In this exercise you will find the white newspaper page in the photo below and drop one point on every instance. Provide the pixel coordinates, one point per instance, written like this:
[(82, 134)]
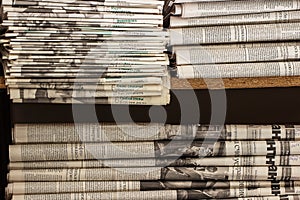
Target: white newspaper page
[(256, 18), (234, 173), (234, 34), (146, 195), (201, 55), (266, 69), (93, 132), (202, 9), (118, 186), (291, 160), (157, 149)]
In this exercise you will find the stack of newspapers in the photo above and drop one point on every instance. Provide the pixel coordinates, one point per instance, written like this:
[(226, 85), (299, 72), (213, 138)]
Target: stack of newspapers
[(216, 39), (154, 162), (76, 51)]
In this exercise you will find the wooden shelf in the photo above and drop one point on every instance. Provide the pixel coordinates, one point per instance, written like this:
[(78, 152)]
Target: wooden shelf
[(2, 83), (235, 83)]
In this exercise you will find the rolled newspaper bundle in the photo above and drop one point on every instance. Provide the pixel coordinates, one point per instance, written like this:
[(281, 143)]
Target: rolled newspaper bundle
[(119, 186), (263, 69), (255, 18), (149, 195), (292, 160), (154, 149), (234, 34), (71, 40), (213, 8), (94, 132), (202, 55), (155, 173)]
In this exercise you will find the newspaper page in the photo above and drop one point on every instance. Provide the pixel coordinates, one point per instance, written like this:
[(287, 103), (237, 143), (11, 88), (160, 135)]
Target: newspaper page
[(144, 195), (118, 186), (44, 39), (164, 99), (233, 34), (280, 197), (256, 18), (49, 93), (202, 9), (71, 86), (106, 11), (106, 23), (234, 173), (95, 81), (265, 69), (247, 45), (148, 162), (155, 100), (291, 160), (249, 132), (181, 194), (105, 2), (202, 55), (156, 149), (94, 132)]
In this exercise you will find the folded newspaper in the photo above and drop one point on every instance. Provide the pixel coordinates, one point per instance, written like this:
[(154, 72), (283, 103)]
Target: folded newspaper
[(52, 49), (71, 42), (256, 35)]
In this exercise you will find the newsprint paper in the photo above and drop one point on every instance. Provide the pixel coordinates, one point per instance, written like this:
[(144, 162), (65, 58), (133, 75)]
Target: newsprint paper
[(291, 160), (232, 34), (202, 9), (118, 186), (148, 195), (155, 149), (233, 173), (94, 132)]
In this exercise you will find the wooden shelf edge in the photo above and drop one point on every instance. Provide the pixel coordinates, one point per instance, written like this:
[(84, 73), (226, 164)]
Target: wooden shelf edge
[(235, 83), (2, 83)]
